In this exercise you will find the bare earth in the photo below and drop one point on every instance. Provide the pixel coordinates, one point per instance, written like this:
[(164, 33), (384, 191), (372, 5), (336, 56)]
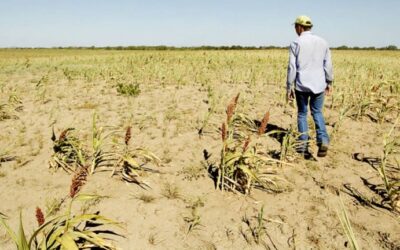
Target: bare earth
[(165, 118)]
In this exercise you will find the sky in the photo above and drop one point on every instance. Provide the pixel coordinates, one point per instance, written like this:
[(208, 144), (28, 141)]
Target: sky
[(53, 23)]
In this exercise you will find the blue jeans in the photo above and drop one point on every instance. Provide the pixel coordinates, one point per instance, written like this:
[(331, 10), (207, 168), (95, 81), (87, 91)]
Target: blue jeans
[(316, 106)]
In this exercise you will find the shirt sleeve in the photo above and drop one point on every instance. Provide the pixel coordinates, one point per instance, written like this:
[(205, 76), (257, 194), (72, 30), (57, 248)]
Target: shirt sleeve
[(328, 68), (292, 69)]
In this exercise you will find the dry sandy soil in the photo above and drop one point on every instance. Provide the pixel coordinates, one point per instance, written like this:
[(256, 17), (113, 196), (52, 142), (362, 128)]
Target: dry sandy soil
[(165, 120)]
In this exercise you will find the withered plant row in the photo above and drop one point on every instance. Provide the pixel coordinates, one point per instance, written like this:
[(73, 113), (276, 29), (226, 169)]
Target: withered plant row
[(118, 158)]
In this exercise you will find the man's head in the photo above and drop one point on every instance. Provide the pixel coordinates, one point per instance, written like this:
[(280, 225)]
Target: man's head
[(303, 23)]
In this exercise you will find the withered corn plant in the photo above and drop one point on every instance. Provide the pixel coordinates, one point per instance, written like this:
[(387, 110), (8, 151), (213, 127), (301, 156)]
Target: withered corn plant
[(289, 142), (103, 155), (193, 221), (346, 225), (71, 155), (384, 106), (243, 124), (100, 157), (343, 111), (289, 145), (241, 166), (129, 163), (378, 101), (68, 152), (391, 145), (257, 229), (212, 101), (68, 231)]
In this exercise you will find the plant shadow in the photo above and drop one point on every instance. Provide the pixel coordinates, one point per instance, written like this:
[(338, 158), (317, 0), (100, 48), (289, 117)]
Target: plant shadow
[(278, 132)]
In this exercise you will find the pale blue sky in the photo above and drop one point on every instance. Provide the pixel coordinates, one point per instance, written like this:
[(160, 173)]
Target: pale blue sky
[(47, 23)]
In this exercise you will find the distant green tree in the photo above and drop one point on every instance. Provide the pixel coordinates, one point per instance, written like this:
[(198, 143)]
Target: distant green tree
[(343, 47), (391, 47)]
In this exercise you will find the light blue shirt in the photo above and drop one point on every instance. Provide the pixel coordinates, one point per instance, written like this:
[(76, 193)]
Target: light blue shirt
[(310, 64)]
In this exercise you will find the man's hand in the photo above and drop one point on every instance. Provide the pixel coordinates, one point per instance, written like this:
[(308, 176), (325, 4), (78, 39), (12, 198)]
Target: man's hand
[(328, 90), (290, 95)]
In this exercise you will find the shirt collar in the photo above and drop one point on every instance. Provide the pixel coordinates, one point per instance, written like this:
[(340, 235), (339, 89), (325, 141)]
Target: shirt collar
[(306, 33)]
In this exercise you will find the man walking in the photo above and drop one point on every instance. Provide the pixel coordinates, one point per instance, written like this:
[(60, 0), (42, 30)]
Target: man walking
[(309, 78)]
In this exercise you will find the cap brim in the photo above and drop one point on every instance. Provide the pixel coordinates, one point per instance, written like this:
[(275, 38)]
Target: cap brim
[(307, 25)]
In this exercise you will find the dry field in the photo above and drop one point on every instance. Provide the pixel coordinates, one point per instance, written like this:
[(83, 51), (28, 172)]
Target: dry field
[(157, 143)]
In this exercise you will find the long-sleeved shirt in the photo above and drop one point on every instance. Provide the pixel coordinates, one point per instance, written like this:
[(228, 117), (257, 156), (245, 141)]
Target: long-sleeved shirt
[(310, 64)]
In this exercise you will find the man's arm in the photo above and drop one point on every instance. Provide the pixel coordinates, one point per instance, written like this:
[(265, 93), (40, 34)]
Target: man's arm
[(328, 67), (292, 69), (291, 72)]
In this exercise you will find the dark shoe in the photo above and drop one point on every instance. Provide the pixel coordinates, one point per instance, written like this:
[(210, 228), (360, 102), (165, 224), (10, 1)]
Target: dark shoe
[(307, 155), (322, 150)]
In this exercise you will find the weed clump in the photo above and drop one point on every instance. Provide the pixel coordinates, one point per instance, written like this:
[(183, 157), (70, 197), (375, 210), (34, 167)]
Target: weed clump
[(131, 89), (171, 191)]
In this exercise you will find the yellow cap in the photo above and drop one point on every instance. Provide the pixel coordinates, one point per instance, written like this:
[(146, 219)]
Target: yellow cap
[(304, 21)]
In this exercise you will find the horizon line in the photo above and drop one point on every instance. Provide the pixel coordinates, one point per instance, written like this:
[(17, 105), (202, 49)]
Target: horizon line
[(205, 47)]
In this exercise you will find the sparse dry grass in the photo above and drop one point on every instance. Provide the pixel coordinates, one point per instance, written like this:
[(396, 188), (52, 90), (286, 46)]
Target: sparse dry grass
[(171, 191), (146, 198), (193, 172)]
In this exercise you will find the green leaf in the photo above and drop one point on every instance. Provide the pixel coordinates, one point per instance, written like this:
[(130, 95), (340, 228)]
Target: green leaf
[(92, 238), (9, 230), (131, 161), (42, 227), (232, 157), (147, 154), (54, 235), (22, 242), (67, 242)]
